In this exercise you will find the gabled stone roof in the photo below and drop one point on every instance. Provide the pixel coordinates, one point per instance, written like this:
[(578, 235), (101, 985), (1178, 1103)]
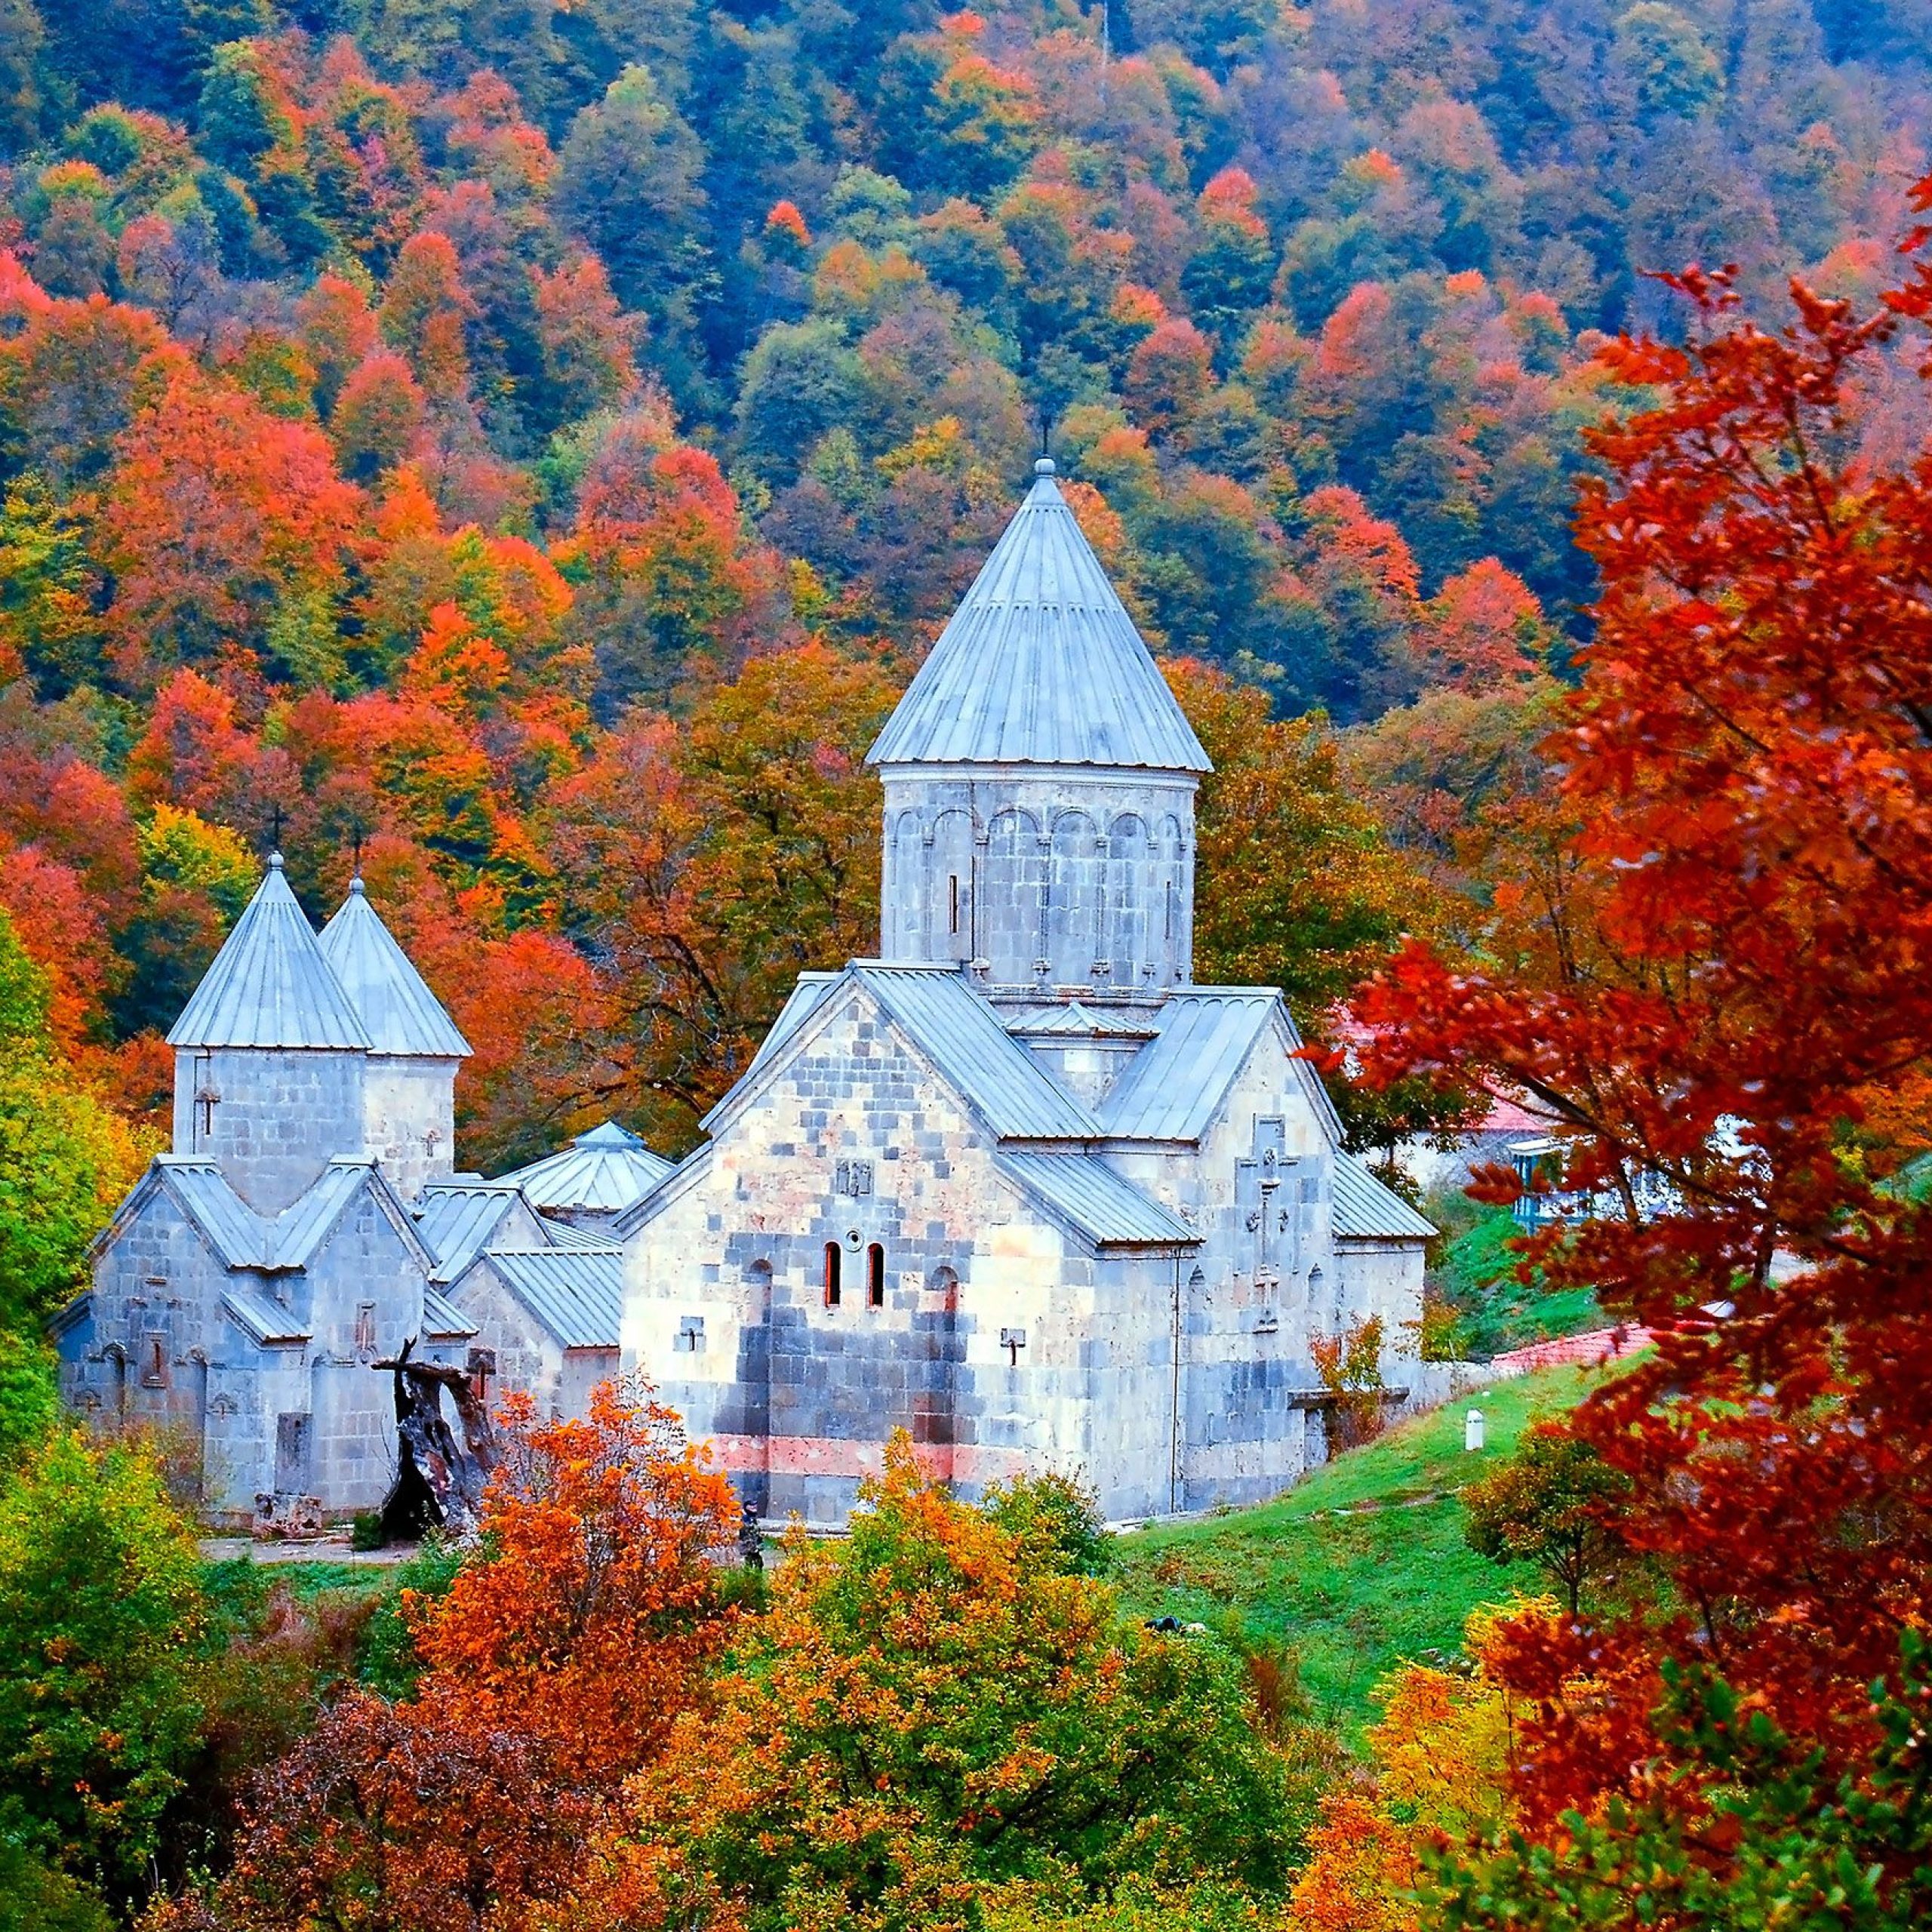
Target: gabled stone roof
[(1041, 664), (957, 1030), (577, 1294), (245, 1241), (458, 1218), (398, 1011), (270, 985), (1104, 1207)]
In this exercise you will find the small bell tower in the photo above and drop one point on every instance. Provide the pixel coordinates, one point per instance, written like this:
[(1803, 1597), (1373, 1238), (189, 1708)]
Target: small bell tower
[(269, 1056)]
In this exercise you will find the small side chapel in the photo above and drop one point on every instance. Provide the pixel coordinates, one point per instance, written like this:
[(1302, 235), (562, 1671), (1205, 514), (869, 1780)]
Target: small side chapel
[(1018, 1186), (307, 1223)]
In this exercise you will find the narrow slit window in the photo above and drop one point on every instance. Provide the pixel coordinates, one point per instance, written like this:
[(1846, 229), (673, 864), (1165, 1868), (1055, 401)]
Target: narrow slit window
[(952, 904), (832, 1259), (875, 1276)]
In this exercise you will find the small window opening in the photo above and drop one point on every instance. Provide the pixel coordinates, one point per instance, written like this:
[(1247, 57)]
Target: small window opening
[(875, 1276), (365, 1328), (952, 905), (832, 1259), (154, 1374), (1171, 909)]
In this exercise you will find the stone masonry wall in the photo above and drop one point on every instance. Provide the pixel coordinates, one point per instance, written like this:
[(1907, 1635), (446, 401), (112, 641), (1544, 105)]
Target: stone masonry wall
[(1069, 878), (365, 1301), (1244, 1299), (409, 1118), (726, 1306), (1384, 1279), (273, 1117), (528, 1360), (159, 1348)]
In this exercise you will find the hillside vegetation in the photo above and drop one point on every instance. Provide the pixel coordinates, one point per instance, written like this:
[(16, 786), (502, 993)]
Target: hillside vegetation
[(524, 450), (1363, 1566)]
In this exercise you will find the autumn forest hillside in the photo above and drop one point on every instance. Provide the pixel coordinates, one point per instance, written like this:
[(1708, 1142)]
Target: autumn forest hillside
[(528, 448)]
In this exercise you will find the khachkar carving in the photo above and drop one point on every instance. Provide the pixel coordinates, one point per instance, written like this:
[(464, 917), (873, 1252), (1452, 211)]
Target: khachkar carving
[(440, 1480)]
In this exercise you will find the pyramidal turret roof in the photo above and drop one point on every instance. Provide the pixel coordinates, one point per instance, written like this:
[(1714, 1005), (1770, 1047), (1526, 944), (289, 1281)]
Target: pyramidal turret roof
[(269, 985), (398, 1011), (1041, 664)]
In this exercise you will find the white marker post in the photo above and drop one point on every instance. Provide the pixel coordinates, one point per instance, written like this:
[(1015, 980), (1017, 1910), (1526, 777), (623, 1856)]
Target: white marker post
[(1472, 1427)]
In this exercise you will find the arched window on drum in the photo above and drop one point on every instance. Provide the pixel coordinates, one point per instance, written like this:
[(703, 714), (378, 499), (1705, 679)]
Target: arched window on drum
[(1130, 867), (1074, 900)]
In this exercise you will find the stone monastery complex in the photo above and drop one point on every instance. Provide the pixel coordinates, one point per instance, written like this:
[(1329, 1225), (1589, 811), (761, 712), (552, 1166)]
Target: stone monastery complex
[(1018, 1186)]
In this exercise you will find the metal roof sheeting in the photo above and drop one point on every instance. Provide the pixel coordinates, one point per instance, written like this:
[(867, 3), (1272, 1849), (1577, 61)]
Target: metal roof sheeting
[(240, 1237), (1109, 1210), (577, 1293), (961, 1034), (1041, 664), (261, 1317), (812, 987), (269, 984), (456, 1220), (398, 1011), (1367, 1211), (562, 1233), (443, 1320), (1175, 1083), (604, 1171), (287, 1244), (304, 1225)]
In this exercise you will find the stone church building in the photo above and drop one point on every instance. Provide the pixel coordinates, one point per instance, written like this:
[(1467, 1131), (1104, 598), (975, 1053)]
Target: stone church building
[(308, 1223), (1018, 1186)]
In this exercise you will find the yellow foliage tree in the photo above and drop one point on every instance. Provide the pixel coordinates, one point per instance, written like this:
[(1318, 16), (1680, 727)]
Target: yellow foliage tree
[(1441, 1755)]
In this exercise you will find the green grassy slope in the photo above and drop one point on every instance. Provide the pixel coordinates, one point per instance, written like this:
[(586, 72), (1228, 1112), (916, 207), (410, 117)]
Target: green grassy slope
[(1473, 1268), (1354, 1593)]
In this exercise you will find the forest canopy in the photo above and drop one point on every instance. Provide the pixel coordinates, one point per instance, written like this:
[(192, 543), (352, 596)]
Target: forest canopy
[(524, 451)]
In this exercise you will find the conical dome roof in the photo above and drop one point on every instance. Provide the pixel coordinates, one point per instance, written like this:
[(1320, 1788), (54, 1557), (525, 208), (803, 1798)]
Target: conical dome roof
[(269, 985), (1041, 664), (607, 1170), (400, 1012)]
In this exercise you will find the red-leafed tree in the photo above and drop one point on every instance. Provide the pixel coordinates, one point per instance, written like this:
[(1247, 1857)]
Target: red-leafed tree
[(1718, 984), (217, 514)]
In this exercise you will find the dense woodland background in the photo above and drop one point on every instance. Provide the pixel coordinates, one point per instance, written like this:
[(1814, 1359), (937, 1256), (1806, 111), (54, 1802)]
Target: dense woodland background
[(532, 447)]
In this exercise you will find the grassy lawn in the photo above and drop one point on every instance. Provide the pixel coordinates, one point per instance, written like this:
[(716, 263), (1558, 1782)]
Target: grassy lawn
[(1354, 1594)]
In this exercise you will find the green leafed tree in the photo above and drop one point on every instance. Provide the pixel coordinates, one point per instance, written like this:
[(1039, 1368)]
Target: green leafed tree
[(66, 1157), (101, 1617), (1552, 1504)]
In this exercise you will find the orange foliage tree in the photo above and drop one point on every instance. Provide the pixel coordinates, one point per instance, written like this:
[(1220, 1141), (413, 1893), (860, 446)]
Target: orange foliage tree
[(932, 1709), (717, 862), (553, 1668), (1438, 1763)]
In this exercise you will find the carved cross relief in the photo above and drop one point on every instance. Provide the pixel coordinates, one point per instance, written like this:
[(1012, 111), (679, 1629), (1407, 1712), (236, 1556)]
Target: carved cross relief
[(1267, 1193)]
